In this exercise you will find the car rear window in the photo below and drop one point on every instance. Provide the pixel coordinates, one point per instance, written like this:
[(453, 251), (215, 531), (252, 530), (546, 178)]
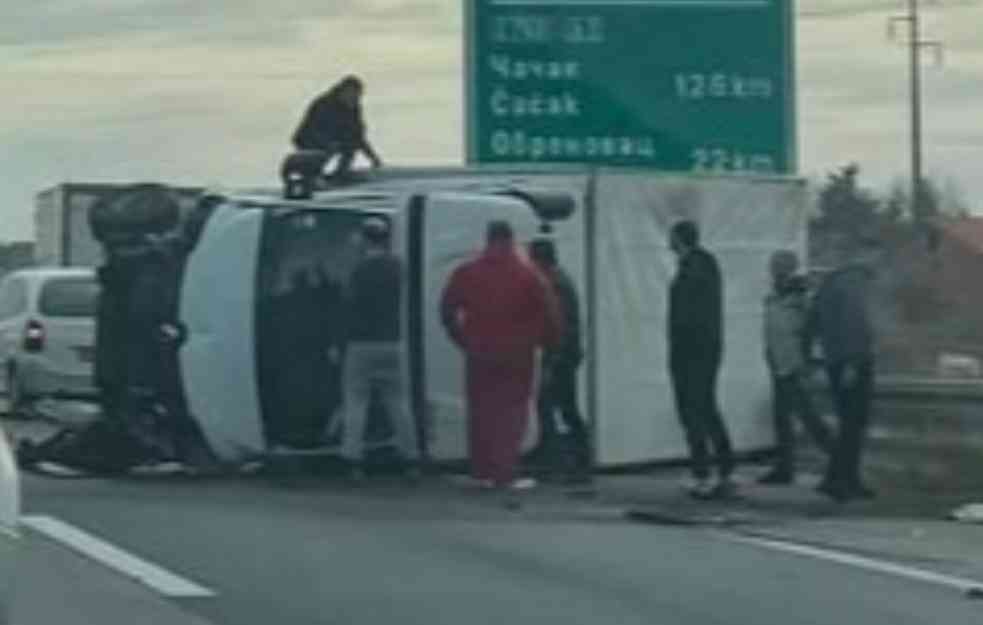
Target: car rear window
[(69, 297)]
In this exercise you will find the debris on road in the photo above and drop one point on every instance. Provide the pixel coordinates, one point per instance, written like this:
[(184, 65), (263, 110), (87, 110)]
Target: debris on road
[(970, 513), (660, 516)]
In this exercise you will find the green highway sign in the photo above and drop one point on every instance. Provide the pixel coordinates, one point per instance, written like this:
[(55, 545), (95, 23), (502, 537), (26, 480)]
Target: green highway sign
[(681, 85)]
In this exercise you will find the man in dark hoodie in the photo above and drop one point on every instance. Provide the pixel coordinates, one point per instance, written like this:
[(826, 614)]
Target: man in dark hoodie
[(559, 366), (841, 319), (375, 358), (333, 125), (695, 355)]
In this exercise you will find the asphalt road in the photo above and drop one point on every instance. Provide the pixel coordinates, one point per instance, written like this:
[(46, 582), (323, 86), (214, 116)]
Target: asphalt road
[(327, 553)]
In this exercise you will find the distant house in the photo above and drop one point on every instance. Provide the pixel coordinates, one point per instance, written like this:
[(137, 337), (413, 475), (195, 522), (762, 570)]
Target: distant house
[(959, 269), (927, 301), (61, 221), (941, 301)]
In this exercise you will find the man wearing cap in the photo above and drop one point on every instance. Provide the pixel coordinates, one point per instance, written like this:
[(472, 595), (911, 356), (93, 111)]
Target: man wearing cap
[(375, 357), (499, 310), (785, 341)]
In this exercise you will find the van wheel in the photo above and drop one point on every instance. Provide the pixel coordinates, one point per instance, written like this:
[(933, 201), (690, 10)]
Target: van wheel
[(16, 401)]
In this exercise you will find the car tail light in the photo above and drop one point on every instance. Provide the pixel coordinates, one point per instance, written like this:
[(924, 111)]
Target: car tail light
[(34, 336)]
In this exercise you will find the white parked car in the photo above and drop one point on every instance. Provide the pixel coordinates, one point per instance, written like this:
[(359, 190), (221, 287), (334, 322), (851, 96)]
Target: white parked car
[(9, 521), (47, 334)]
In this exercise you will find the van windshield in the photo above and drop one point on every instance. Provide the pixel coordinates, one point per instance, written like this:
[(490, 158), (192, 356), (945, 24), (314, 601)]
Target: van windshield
[(305, 263), (69, 297)]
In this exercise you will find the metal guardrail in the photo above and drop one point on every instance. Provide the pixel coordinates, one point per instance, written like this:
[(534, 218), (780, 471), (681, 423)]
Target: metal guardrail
[(915, 387), (930, 388)]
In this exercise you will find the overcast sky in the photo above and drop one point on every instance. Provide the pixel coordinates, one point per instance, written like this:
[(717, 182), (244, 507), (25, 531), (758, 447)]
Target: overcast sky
[(197, 92)]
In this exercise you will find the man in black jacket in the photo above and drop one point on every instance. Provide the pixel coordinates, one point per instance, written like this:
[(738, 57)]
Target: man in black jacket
[(333, 125), (841, 320), (559, 366), (695, 354)]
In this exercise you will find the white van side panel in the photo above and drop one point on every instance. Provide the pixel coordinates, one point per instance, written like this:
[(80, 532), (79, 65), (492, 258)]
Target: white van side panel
[(219, 359), (743, 222)]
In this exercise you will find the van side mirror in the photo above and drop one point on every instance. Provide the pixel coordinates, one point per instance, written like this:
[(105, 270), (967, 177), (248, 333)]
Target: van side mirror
[(549, 205)]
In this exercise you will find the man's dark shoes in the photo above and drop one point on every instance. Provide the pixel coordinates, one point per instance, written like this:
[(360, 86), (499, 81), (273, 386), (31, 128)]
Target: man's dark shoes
[(725, 488), (539, 456), (722, 489), (836, 492), (356, 475), (579, 478), (777, 477), (860, 491), (842, 493), (413, 475)]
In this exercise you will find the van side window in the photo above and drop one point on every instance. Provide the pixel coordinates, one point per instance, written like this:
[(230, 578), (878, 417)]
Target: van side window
[(69, 297), (20, 297), (306, 259)]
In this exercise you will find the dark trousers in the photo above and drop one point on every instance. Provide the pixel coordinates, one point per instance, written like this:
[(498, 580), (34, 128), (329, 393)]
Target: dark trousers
[(790, 397), (852, 403), (694, 380), (558, 395)]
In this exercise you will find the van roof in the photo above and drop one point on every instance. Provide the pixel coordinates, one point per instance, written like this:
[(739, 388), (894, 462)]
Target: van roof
[(44, 273), (380, 191), (347, 199)]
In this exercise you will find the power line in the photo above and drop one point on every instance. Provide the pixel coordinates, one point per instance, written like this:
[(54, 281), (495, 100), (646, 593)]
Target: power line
[(882, 7), (915, 46)]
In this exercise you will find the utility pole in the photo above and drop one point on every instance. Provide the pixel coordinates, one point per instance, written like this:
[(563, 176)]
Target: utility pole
[(915, 46)]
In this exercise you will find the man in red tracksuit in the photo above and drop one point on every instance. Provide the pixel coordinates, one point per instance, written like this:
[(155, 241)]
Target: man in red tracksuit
[(499, 310)]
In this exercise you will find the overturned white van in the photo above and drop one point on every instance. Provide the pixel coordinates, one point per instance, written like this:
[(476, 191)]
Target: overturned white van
[(245, 356)]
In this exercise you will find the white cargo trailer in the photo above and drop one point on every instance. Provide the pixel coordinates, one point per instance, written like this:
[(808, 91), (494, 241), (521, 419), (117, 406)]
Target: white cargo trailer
[(61, 222)]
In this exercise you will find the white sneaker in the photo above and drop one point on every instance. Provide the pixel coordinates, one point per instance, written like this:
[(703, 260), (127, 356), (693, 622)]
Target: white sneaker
[(702, 489), (481, 484), (689, 483), (523, 483), (468, 481)]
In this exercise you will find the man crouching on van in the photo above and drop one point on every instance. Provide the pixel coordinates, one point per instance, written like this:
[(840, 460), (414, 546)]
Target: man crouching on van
[(375, 358)]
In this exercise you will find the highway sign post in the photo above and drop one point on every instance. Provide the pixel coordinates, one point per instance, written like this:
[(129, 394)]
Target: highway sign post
[(678, 85)]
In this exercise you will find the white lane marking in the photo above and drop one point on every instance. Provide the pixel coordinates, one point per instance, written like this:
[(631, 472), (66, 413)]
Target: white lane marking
[(962, 584), (157, 578)]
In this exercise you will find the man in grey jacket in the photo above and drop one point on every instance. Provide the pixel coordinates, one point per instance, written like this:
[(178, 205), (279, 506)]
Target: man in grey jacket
[(841, 319), (786, 313)]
